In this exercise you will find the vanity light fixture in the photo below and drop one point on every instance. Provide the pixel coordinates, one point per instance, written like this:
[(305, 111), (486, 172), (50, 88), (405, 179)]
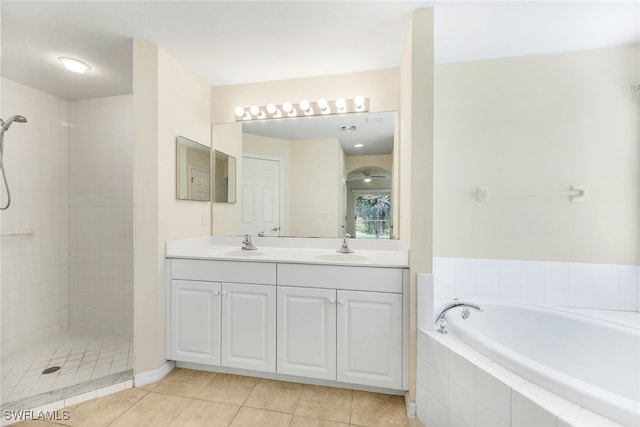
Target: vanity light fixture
[(74, 65), (305, 107)]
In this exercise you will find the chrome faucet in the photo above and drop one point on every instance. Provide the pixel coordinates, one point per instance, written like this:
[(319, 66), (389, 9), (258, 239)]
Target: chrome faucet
[(344, 247), (247, 245), (440, 318)]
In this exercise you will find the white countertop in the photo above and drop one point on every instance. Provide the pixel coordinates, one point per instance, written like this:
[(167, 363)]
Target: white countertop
[(369, 253)]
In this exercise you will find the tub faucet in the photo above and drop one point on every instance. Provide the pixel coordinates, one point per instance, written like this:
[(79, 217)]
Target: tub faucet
[(440, 318), (247, 245), (344, 247)]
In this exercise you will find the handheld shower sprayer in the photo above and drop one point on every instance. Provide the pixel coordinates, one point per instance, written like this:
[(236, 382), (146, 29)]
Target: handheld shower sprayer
[(10, 120), (4, 126)]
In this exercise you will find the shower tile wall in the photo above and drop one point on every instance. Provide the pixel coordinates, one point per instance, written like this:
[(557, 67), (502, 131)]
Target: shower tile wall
[(101, 211), (35, 276)]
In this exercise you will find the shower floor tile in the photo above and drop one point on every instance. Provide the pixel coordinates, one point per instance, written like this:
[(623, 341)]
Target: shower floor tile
[(81, 357)]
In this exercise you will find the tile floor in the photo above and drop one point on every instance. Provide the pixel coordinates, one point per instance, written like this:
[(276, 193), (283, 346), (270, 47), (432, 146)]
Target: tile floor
[(195, 398), (81, 357)]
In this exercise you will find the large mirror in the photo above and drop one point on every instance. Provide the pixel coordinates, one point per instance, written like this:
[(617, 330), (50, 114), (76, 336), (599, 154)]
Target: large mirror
[(321, 176), (224, 177), (193, 170)]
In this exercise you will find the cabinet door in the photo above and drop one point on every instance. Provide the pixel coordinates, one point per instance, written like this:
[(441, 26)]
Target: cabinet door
[(249, 326), (195, 322), (307, 332), (370, 338)]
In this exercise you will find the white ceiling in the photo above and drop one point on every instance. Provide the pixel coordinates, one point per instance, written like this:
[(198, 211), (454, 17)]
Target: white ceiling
[(230, 42), (373, 130)]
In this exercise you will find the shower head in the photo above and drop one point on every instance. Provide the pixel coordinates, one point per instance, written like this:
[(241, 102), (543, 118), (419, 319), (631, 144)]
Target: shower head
[(19, 119)]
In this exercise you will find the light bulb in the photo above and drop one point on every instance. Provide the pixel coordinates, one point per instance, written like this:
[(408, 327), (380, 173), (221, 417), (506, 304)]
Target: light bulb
[(367, 180), (239, 111), (341, 104), (271, 108), (254, 110), (287, 107), (358, 146), (358, 101), (323, 105), (304, 105)]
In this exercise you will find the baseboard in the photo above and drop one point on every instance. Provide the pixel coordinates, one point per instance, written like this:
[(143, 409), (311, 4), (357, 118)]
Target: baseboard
[(149, 377), (411, 406)]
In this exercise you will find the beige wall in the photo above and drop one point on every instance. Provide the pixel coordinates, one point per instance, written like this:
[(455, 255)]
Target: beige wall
[(384, 161), (168, 101), (416, 153), (539, 124), (380, 86), (316, 174), (226, 217)]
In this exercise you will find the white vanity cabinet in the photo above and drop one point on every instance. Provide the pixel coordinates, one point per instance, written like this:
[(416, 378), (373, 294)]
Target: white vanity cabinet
[(332, 304), (223, 323), (341, 323), (195, 321), (370, 338), (307, 332)]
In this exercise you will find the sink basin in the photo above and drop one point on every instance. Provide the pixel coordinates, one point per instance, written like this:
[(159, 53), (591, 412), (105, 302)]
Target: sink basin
[(343, 257), (241, 253)]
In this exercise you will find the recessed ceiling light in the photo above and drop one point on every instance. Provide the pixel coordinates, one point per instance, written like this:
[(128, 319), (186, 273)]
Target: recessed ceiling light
[(359, 145), (74, 65)]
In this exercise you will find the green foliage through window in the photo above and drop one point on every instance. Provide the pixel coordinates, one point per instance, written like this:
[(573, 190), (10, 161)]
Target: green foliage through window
[(373, 216)]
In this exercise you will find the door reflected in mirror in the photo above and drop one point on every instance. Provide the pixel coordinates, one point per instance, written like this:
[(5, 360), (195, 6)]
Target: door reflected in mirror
[(193, 170), (224, 181)]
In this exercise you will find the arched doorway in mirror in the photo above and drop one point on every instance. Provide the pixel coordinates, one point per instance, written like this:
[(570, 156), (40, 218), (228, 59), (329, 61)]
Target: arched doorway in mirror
[(369, 212)]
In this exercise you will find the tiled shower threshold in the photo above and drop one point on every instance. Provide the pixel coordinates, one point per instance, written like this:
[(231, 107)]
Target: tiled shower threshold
[(67, 393)]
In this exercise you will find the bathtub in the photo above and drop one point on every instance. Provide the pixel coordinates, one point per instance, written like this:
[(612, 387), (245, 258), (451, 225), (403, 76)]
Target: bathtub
[(593, 363)]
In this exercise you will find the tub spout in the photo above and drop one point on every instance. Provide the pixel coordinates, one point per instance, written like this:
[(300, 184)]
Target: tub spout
[(440, 321)]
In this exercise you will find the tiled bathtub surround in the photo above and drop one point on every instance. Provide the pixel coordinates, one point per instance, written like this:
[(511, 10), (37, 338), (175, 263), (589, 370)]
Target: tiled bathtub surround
[(457, 386), (601, 286)]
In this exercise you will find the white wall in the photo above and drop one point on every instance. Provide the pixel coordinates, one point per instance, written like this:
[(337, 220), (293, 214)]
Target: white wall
[(168, 101), (35, 275), (539, 123), (101, 214)]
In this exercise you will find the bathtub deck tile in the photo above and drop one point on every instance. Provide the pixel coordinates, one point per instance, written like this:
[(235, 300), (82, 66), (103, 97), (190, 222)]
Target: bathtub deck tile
[(525, 413), (504, 375), (549, 401), (583, 417), (437, 355), (486, 418), (494, 395), (462, 372)]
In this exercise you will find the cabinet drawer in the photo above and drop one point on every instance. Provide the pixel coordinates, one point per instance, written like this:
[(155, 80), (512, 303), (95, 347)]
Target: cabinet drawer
[(224, 271), (339, 277)]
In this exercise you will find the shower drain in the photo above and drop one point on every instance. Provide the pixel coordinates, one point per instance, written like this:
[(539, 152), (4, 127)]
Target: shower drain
[(51, 370)]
